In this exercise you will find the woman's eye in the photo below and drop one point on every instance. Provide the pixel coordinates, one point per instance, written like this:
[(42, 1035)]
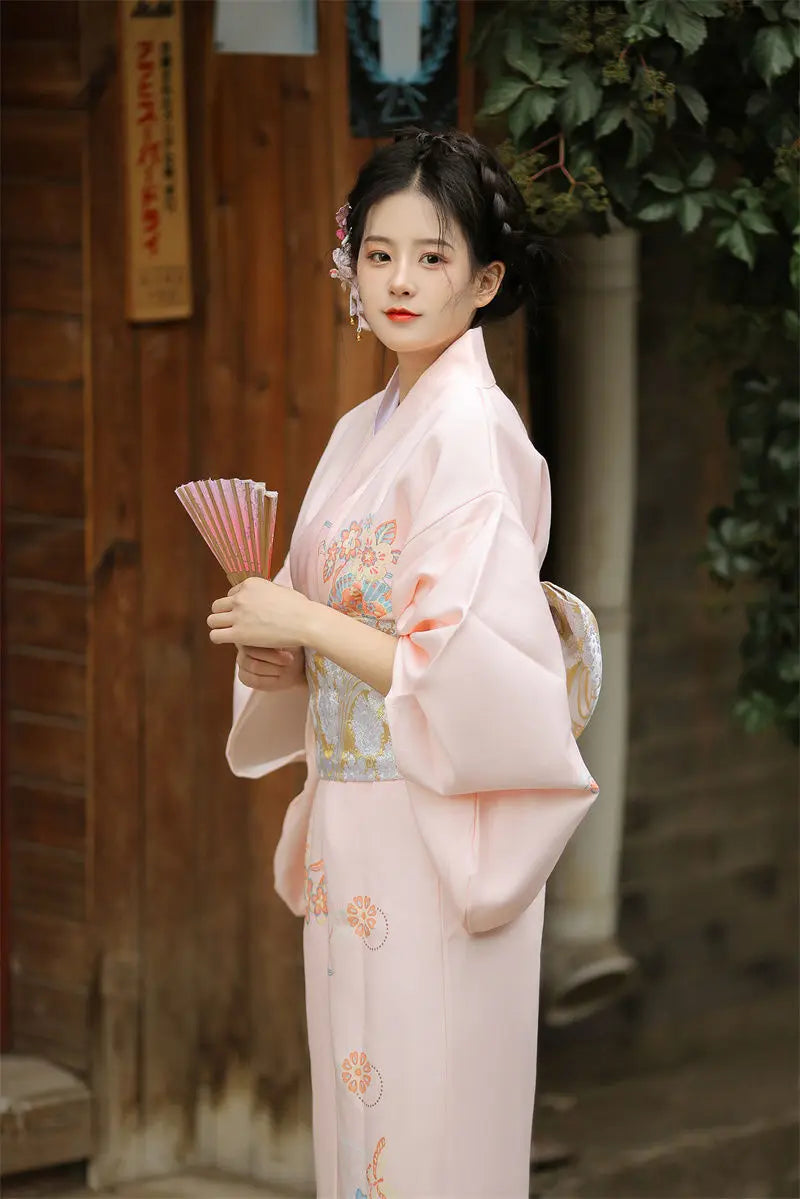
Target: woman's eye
[(437, 259), (378, 256)]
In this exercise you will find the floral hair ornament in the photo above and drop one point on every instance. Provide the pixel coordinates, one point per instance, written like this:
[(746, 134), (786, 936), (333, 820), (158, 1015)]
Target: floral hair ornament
[(344, 271)]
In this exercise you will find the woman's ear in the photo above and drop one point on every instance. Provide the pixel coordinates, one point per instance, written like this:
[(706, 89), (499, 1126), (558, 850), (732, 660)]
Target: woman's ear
[(488, 283)]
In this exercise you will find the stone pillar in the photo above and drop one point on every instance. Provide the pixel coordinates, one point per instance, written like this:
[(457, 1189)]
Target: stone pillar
[(583, 967)]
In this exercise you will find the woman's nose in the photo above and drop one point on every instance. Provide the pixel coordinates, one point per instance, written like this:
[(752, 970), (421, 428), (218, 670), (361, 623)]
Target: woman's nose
[(401, 282)]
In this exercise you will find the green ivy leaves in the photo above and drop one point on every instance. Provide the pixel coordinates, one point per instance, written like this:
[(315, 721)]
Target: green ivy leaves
[(624, 71), (774, 51), (741, 219), (682, 196), (693, 101), (755, 539), (501, 95), (581, 97), (686, 111), (683, 20)]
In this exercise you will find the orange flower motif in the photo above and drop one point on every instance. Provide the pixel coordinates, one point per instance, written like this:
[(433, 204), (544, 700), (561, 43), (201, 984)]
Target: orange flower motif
[(376, 556), (373, 1181), (375, 608), (331, 554), (316, 896), (357, 1072), (362, 915), (352, 601), (320, 900), (350, 544)]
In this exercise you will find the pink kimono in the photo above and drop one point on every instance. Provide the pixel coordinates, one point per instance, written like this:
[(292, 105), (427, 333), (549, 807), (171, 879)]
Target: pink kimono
[(418, 851)]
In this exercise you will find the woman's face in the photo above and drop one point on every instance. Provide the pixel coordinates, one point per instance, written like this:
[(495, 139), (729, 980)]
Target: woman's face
[(404, 266)]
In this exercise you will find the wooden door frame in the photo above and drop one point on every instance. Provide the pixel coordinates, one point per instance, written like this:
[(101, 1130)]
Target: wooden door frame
[(5, 885)]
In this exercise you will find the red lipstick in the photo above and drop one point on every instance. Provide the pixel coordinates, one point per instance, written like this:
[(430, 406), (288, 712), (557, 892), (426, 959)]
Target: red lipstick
[(401, 314)]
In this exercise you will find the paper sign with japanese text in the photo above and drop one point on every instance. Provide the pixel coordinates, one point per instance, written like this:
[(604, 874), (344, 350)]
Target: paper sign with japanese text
[(158, 266)]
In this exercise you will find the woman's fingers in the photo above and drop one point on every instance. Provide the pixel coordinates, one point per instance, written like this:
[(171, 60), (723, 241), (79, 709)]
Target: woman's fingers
[(278, 657), (264, 663), (264, 682), (261, 670), (222, 605), (255, 682), (220, 620), (264, 669)]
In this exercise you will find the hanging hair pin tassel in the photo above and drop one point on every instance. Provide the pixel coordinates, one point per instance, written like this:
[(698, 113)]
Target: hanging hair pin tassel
[(343, 270)]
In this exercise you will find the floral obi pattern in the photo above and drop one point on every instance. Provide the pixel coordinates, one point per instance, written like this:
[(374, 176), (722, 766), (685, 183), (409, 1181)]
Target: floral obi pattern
[(351, 732), (352, 735)]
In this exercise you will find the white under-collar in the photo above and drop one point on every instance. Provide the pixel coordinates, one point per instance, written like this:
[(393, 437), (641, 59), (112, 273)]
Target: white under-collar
[(389, 403)]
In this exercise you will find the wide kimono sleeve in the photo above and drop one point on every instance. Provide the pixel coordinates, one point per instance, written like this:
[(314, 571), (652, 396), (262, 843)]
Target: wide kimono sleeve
[(478, 707), (268, 729)]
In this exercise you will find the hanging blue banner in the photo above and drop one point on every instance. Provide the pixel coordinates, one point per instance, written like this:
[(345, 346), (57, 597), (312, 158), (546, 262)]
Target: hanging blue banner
[(403, 57)]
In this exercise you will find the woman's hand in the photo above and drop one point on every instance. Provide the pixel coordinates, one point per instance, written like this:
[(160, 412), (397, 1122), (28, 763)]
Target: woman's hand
[(259, 613), (270, 669)]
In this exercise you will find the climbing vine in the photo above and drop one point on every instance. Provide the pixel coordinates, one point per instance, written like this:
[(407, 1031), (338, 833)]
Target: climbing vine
[(657, 112)]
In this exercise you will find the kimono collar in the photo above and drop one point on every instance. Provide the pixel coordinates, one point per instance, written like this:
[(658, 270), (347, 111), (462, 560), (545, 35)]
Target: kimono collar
[(466, 354), (389, 403), (464, 361)]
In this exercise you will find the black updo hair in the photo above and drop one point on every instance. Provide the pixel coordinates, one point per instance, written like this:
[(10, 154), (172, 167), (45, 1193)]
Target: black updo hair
[(466, 183)]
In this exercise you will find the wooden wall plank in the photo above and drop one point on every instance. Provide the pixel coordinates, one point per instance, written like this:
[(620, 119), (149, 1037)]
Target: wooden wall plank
[(169, 1014), (43, 279), (361, 368), (43, 483), (46, 615), (287, 108), (47, 814), (466, 68), (43, 19), (43, 563), (42, 144), (310, 237), (43, 416), (47, 747), (50, 950), (264, 322), (41, 212), (218, 246), (223, 1030), (113, 492), (51, 683), (40, 1011), (44, 550), (42, 348), (41, 73), (49, 882), (220, 435)]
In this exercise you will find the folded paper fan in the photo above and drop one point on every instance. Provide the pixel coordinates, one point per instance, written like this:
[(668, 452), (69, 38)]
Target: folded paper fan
[(237, 520)]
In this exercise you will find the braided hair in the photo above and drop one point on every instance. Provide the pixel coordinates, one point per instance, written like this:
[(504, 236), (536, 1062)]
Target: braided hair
[(467, 185)]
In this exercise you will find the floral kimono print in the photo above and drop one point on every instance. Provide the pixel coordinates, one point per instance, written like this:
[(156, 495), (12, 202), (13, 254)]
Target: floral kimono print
[(418, 850)]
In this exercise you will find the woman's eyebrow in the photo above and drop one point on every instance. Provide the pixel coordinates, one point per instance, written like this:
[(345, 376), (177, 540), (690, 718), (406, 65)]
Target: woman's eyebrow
[(421, 241)]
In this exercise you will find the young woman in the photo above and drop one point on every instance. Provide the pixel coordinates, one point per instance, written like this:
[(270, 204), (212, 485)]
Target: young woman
[(407, 651)]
